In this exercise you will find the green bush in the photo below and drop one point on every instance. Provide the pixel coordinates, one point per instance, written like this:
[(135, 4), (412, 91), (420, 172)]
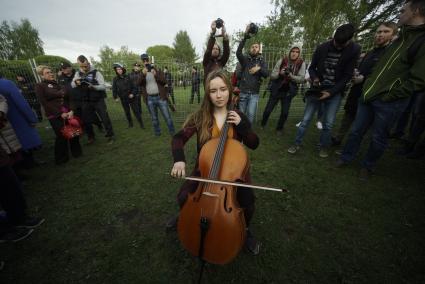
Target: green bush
[(10, 68)]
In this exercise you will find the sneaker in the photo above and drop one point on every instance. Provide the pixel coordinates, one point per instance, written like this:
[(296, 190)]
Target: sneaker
[(338, 152), (323, 153), (298, 124), (30, 223), (319, 125), (293, 149), (251, 244), (171, 224), (364, 174), (111, 140), (15, 235)]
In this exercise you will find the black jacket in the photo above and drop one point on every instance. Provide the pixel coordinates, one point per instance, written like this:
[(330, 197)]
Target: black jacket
[(135, 78), (344, 70), (250, 83), (122, 86), (75, 94)]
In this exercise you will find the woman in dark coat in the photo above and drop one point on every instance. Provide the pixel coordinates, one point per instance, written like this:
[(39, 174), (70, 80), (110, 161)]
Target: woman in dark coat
[(55, 101)]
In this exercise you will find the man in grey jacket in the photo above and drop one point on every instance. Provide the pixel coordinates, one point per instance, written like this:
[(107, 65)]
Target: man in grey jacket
[(92, 85), (254, 69)]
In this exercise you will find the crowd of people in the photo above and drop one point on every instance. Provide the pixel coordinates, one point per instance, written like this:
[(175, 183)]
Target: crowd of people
[(382, 85)]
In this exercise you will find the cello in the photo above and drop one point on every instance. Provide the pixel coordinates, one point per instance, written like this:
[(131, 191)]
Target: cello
[(211, 224)]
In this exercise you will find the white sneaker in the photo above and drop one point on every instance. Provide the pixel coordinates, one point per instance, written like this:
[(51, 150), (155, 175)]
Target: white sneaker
[(319, 125), (298, 124)]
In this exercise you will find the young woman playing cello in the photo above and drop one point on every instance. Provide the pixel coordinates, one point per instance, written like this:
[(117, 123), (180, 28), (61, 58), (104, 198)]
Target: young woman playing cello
[(206, 123)]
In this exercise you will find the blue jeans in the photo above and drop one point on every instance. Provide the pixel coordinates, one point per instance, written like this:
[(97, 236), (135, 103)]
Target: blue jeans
[(248, 104), (330, 107), (155, 102), (380, 115)]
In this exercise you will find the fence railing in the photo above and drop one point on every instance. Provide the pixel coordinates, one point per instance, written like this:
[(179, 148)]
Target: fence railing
[(181, 81)]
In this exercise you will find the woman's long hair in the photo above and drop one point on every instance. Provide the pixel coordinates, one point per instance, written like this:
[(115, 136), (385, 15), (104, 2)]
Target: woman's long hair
[(203, 118)]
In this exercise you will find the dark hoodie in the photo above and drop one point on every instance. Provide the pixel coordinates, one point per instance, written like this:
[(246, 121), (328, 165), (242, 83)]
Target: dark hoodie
[(250, 83), (122, 86)]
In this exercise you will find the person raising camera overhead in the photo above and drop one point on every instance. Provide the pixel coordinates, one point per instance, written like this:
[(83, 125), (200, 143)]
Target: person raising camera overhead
[(214, 58), (254, 68), (287, 73)]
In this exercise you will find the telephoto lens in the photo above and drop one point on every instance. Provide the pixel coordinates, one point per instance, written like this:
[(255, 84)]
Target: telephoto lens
[(219, 23), (253, 29)]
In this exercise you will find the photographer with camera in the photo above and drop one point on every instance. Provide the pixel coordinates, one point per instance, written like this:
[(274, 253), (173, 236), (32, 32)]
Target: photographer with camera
[(287, 73), (213, 59), (124, 90), (253, 70), (90, 82), (155, 94), (331, 68), (65, 79)]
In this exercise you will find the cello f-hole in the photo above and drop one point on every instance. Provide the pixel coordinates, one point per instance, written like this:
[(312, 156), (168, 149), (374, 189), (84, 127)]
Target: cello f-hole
[(228, 210)]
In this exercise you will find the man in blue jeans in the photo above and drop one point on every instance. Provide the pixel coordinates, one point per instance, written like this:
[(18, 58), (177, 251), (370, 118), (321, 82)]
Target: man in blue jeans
[(387, 90), (330, 70), (253, 69), (155, 95)]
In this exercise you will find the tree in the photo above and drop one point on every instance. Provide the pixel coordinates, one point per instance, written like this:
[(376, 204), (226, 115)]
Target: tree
[(367, 14), (161, 53), (317, 19), (19, 41), (108, 57), (184, 51)]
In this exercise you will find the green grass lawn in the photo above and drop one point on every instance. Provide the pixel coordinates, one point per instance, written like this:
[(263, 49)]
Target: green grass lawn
[(105, 214)]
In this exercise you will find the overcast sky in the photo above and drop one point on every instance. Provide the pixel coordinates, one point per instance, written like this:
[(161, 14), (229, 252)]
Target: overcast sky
[(71, 28)]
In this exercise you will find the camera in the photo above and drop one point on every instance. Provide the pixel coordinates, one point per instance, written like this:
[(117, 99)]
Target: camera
[(84, 82), (219, 23), (286, 71), (149, 67), (253, 29)]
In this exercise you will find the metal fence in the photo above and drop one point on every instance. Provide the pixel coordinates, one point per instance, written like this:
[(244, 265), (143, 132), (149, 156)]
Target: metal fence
[(181, 83)]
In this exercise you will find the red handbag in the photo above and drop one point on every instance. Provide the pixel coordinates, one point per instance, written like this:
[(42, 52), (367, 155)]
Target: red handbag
[(71, 128)]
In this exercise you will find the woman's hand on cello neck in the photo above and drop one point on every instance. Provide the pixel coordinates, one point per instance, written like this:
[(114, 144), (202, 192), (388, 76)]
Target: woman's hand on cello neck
[(178, 170), (233, 117)]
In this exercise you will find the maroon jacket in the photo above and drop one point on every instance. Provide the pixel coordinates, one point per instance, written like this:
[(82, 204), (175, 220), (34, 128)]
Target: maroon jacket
[(212, 63), (53, 97)]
